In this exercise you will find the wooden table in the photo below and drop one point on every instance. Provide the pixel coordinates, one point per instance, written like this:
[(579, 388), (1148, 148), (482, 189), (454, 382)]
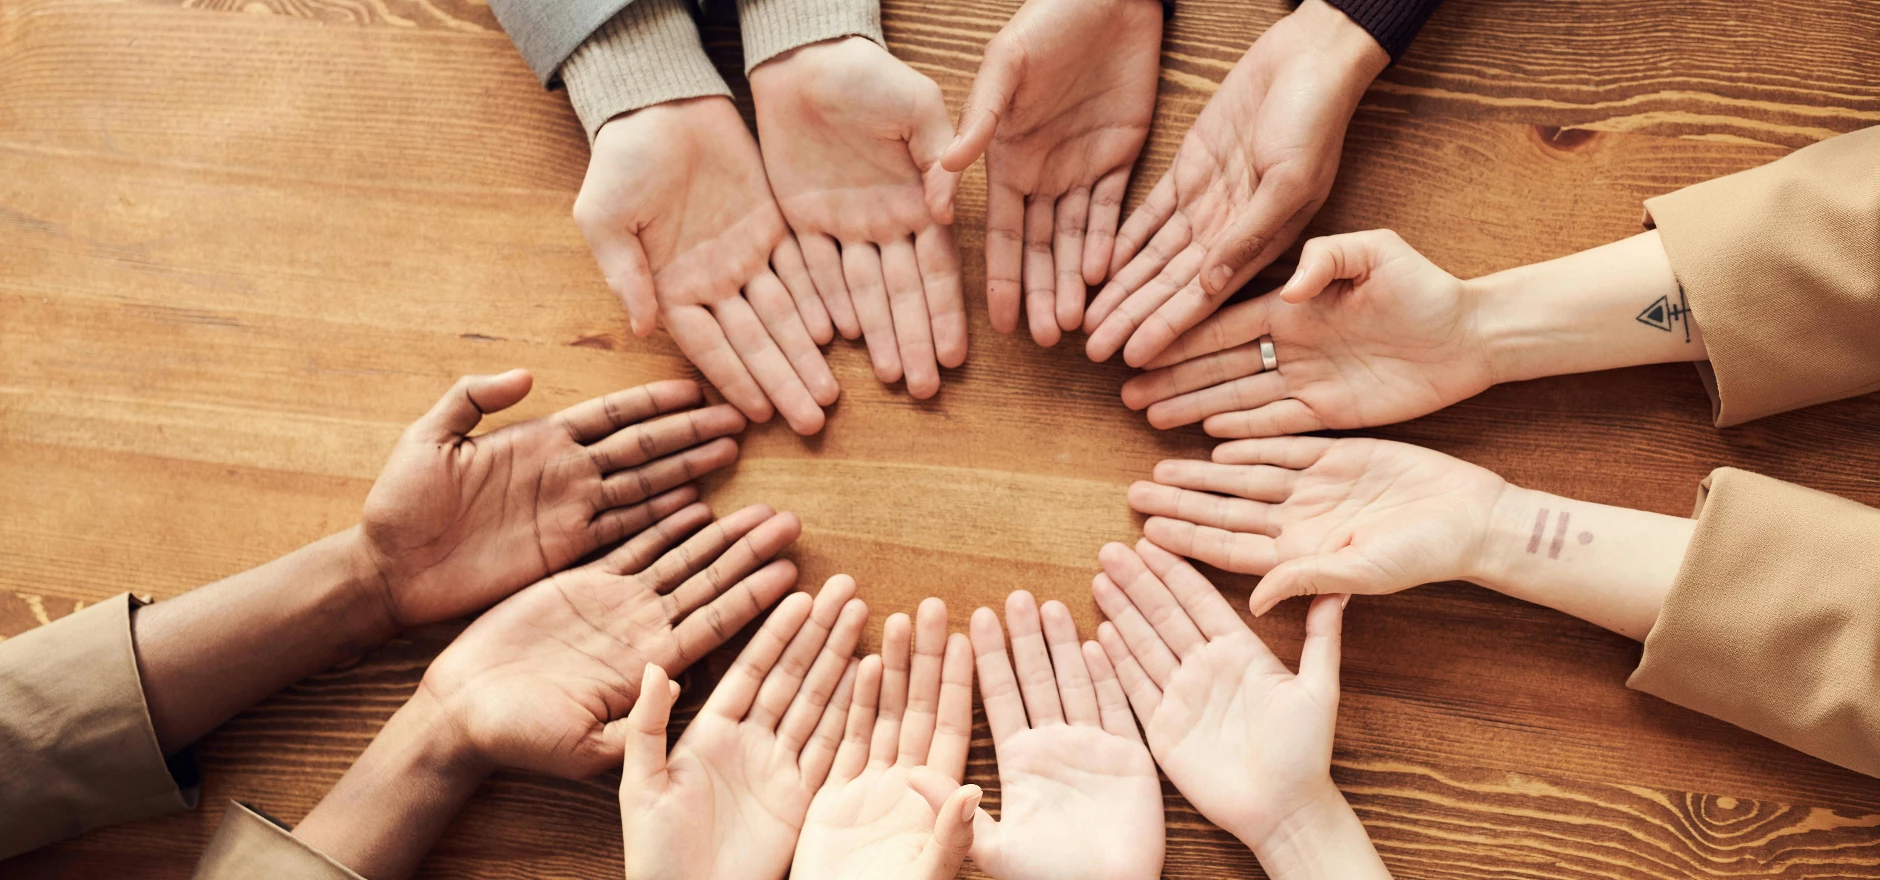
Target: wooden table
[(242, 242)]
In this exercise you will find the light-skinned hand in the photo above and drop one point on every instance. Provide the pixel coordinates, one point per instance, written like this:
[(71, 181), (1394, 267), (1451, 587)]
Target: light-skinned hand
[(544, 680), (1247, 741), (680, 217), (1257, 164), (729, 801), (1078, 793), (1060, 109), (852, 140), (893, 805), (455, 523), (1367, 332), (1313, 515)]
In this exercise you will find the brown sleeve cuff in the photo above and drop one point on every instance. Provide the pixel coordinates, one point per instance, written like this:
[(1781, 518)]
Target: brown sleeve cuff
[(249, 844), (648, 54), (76, 742), (1773, 623), (1781, 265), (773, 27)]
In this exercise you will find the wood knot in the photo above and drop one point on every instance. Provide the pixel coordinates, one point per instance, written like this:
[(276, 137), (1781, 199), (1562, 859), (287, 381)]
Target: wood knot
[(602, 341), (1566, 140)]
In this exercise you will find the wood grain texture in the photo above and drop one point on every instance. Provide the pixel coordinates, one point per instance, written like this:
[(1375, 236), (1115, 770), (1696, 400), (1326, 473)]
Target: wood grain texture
[(243, 242)]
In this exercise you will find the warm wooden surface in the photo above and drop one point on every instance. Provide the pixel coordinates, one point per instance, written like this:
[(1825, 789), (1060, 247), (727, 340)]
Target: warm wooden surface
[(241, 244)]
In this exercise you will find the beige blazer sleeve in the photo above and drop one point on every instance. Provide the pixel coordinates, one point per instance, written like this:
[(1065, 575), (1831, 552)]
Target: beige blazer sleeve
[(1781, 266), (77, 749), (1773, 623), (248, 845)]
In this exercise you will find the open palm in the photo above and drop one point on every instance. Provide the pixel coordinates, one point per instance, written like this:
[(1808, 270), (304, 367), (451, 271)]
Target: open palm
[(1078, 792), (1367, 332), (852, 139), (543, 680), (1060, 108), (729, 801), (455, 522), (1315, 515)]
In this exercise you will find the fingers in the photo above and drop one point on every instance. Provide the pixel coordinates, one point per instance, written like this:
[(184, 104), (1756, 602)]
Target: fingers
[(923, 687), (953, 724), (1244, 394), (1112, 702), (766, 363), (629, 487), (1153, 658), (1143, 693), (820, 752), (1230, 327), (897, 635), (859, 727), (1134, 314), (1254, 482), (783, 680), (1040, 298), (1288, 416), (467, 402), (1143, 223), (929, 138), (753, 548), (1075, 691), (913, 323), (783, 321), (825, 268), (703, 343), (1152, 598), (819, 686), (1005, 243), (787, 261), (998, 687), (1106, 206), (1318, 659), (1032, 660), (1202, 508), (639, 444), (733, 696), (599, 418), (645, 732), (861, 266), (703, 548), (704, 630), (939, 259), (1229, 551), (1073, 212), (623, 263), (1205, 605), (1257, 234), (1187, 307), (992, 92), (1297, 453), (1345, 571), (940, 858), (1331, 258), (640, 550), (613, 526)]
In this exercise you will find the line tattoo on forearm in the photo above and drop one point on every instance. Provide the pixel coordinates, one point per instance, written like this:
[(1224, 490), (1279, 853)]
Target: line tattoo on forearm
[(1560, 533), (1665, 315)]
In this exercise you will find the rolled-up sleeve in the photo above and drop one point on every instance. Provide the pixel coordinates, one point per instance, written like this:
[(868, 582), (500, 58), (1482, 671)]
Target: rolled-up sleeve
[(248, 844), (1781, 266), (1773, 622), (76, 739)]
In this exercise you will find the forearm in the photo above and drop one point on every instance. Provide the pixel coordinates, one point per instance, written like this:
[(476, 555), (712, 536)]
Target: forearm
[(218, 649), (1617, 305), (397, 799), (1322, 839), (1607, 565)]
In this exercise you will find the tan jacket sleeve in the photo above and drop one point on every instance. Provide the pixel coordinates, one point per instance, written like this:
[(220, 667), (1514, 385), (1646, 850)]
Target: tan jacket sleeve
[(648, 54), (1773, 623), (248, 844), (773, 27), (77, 749), (1781, 265)]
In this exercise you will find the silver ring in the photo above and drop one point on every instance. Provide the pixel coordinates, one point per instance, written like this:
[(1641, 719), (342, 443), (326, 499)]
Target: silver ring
[(1268, 360)]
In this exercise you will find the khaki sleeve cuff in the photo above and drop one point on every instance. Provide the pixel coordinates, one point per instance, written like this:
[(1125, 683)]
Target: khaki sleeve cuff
[(249, 844), (773, 27), (1773, 622), (76, 742), (1781, 265), (648, 54)]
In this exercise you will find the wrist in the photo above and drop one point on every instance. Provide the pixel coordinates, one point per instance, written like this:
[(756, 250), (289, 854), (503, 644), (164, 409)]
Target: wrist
[(1321, 838), (367, 609), (1335, 38), (424, 739), (1510, 529)]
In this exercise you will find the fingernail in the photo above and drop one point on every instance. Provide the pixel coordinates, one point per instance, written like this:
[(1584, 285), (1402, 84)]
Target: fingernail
[(1345, 601), (972, 803), (634, 322), (1217, 278)]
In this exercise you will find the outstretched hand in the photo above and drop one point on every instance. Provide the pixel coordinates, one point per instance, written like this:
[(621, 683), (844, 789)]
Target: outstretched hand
[(1257, 164), (680, 217), (544, 680), (852, 140), (1314, 515), (893, 806), (455, 523), (729, 801), (1060, 109), (1367, 332), (1078, 791)]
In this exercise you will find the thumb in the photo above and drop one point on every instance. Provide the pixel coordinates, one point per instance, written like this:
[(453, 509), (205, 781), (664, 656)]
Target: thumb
[(644, 729), (1318, 660), (1249, 243), (467, 402), (952, 840), (991, 95), (926, 142), (1336, 257), (623, 263), (1342, 572)]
